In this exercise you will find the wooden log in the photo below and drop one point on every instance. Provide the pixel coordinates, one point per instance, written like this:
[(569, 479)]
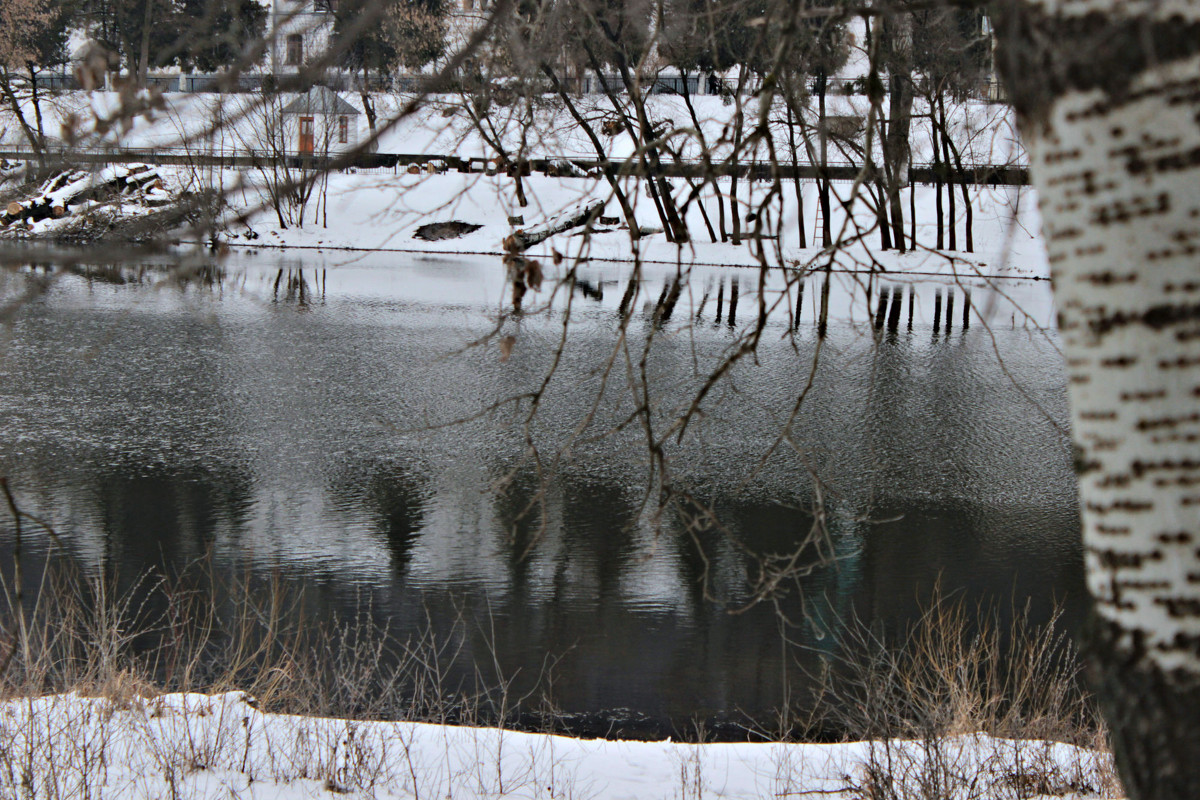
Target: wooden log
[(572, 218)]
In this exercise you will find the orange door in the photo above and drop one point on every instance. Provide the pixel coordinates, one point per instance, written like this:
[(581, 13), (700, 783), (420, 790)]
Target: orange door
[(306, 134)]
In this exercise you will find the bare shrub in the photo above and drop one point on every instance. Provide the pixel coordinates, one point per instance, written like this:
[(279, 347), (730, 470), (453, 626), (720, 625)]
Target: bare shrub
[(963, 705)]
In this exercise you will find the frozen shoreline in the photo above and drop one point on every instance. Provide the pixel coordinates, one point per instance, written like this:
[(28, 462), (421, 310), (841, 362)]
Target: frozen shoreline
[(201, 746)]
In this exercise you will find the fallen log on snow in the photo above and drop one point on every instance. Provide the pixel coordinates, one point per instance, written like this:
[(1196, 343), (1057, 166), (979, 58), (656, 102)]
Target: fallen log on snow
[(580, 214)]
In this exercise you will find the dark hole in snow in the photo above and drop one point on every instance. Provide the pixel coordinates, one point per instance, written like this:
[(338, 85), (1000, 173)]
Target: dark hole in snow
[(445, 230)]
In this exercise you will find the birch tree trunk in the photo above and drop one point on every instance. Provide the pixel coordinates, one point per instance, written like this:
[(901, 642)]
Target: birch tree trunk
[(1108, 93)]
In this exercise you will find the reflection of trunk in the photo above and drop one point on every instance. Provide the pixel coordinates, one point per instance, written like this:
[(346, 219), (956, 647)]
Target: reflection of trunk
[(734, 288), (1113, 145), (799, 303), (823, 319)]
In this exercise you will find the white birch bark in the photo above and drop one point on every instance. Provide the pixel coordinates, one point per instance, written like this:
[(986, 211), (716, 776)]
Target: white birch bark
[(1109, 93), (1123, 229)]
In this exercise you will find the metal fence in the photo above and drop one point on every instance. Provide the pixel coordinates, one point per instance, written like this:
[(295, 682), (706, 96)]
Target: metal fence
[(590, 83), (239, 158)]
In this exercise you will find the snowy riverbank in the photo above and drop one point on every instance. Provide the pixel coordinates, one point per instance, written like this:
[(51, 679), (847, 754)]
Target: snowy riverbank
[(383, 211), (223, 746)]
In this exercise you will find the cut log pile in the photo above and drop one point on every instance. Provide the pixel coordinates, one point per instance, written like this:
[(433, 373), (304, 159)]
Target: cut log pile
[(70, 189)]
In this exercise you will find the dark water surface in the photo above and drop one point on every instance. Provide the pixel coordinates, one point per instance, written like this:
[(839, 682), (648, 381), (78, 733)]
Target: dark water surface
[(289, 432)]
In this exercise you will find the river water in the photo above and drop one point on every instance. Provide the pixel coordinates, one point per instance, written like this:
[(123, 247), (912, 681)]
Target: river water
[(338, 422)]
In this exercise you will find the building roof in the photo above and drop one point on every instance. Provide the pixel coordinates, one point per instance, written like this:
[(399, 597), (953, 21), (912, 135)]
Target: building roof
[(321, 100)]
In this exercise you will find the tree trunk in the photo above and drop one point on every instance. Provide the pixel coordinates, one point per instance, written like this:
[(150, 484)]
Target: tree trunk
[(1106, 94), (791, 128), (937, 178), (738, 119), (969, 217), (875, 124), (823, 133), (897, 157), (35, 100), (645, 137), (696, 190), (614, 184), (368, 103), (912, 213), (687, 101), (18, 111), (144, 50), (950, 182), (881, 216)]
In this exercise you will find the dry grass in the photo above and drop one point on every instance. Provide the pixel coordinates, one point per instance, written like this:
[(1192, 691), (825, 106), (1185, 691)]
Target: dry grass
[(967, 703), (198, 632)]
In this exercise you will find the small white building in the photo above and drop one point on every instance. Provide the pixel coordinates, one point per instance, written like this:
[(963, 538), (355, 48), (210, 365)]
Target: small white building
[(320, 122)]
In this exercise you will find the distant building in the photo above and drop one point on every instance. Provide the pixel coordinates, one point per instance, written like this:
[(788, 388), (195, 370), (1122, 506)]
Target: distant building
[(320, 122), (299, 31)]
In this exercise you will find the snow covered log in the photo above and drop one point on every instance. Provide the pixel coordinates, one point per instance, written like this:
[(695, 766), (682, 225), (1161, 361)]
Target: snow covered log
[(573, 217), (71, 188)]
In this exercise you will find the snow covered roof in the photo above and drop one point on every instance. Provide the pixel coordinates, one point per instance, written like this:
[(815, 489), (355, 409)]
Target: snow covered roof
[(321, 100)]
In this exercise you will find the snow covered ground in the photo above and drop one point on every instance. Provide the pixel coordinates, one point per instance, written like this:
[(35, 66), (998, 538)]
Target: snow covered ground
[(382, 212), (198, 747)]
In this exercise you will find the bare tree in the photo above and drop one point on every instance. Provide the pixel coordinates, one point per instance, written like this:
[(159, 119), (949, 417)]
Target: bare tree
[(32, 36)]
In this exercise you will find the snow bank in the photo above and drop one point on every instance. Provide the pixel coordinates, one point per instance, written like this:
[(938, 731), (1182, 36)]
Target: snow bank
[(224, 746)]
